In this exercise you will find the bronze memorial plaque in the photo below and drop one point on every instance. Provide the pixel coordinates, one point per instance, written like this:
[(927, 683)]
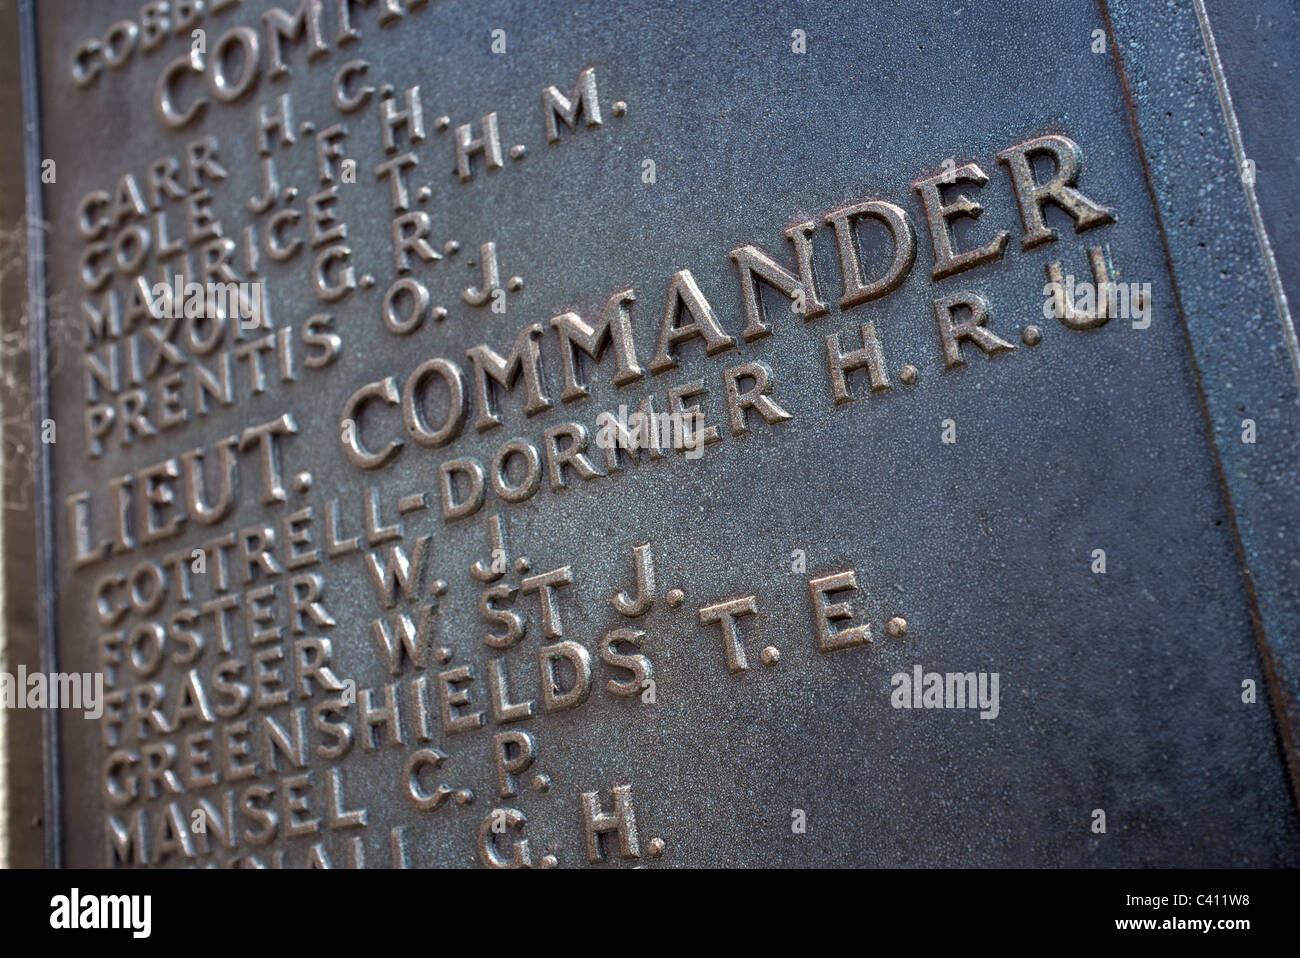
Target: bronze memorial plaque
[(532, 435)]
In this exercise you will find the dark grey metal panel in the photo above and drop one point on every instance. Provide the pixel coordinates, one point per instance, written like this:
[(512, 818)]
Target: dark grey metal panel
[(1259, 58), (1120, 691), (22, 803), (1231, 297)]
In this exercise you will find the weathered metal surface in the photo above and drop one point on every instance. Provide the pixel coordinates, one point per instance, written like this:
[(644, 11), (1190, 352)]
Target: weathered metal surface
[(955, 497)]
